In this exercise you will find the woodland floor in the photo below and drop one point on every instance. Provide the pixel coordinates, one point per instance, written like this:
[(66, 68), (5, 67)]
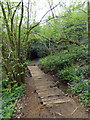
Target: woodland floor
[(44, 100)]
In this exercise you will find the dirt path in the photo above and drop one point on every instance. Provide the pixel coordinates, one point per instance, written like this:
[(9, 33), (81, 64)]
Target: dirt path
[(43, 100)]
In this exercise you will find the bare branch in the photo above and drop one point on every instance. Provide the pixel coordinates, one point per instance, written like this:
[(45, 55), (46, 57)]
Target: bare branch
[(42, 18), (41, 35), (9, 10), (50, 8), (28, 18), (48, 12), (70, 41), (13, 16), (83, 11)]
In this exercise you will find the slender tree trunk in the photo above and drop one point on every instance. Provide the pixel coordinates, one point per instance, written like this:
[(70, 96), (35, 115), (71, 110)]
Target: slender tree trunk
[(89, 26), (89, 41), (28, 13), (19, 33)]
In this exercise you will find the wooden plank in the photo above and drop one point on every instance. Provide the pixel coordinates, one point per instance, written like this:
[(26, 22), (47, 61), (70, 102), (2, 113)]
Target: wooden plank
[(52, 98), (48, 95), (47, 89), (57, 101)]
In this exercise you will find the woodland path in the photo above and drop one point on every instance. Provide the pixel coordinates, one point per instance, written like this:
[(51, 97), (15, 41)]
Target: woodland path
[(50, 98)]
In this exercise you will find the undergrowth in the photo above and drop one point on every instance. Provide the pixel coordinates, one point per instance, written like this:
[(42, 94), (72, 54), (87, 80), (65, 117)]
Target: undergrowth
[(65, 58), (71, 65), (11, 91), (9, 96)]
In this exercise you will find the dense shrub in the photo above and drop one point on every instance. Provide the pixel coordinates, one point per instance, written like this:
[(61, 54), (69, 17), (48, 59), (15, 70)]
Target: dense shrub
[(81, 88), (70, 74), (73, 73), (56, 62), (64, 58)]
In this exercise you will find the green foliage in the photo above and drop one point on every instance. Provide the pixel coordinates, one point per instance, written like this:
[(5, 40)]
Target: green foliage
[(85, 97), (55, 62), (73, 73), (63, 59), (81, 88), (9, 95), (70, 25), (70, 74), (78, 84)]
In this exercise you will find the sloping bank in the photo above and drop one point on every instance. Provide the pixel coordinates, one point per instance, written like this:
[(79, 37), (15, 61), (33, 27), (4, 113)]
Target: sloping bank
[(71, 66)]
